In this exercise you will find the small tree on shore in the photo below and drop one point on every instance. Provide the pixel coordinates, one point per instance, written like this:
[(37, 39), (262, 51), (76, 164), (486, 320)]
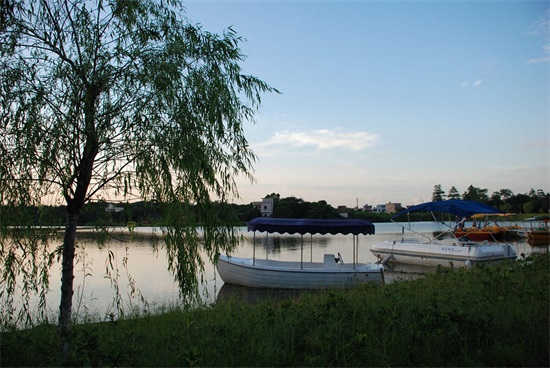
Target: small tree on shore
[(476, 194), (438, 193), (453, 193), (118, 97)]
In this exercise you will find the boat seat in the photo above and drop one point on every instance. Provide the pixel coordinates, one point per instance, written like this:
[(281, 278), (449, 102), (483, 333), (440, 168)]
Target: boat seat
[(329, 262)]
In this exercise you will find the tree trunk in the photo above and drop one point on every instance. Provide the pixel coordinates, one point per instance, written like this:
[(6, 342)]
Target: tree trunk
[(67, 276), (74, 206)]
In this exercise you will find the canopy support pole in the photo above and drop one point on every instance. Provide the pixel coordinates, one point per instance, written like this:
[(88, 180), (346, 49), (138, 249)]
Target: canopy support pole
[(311, 248), (302, 252), (254, 248), (354, 250), (357, 249)]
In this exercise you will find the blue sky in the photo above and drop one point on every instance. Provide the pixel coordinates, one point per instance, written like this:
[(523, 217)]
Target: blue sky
[(383, 100)]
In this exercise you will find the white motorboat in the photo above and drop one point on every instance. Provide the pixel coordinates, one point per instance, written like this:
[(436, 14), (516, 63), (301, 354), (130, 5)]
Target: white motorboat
[(454, 252), (332, 272)]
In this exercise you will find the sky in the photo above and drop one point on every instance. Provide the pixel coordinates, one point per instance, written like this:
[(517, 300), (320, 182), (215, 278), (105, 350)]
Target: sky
[(382, 100)]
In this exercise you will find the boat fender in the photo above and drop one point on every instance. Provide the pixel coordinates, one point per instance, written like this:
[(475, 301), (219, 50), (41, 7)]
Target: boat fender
[(386, 259), (469, 263)]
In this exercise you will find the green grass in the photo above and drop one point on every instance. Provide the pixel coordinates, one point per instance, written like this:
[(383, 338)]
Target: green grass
[(488, 316)]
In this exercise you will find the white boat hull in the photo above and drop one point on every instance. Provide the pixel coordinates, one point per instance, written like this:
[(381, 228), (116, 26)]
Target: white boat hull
[(296, 275), (444, 253)]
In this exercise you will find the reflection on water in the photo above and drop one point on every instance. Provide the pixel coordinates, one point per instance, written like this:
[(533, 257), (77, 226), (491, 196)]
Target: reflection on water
[(144, 261)]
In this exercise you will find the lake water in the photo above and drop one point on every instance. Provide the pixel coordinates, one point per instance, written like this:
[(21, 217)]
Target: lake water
[(147, 266)]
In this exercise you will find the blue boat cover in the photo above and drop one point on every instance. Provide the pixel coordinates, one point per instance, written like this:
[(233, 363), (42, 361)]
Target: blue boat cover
[(456, 207), (310, 226)]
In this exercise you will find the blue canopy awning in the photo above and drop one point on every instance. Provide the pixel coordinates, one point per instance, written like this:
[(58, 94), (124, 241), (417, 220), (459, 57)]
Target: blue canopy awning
[(310, 226), (456, 207)]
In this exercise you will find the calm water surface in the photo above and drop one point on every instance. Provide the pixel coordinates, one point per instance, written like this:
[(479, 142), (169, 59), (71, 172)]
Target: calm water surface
[(147, 266)]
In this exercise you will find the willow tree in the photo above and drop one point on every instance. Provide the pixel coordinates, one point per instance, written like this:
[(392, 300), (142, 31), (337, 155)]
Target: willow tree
[(120, 97)]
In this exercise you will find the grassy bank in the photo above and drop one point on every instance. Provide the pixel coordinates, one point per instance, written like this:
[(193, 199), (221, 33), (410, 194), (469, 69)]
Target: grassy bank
[(489, 316)]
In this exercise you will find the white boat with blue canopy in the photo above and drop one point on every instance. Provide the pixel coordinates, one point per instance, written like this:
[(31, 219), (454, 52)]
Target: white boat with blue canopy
[(332, 272), (440, 251)]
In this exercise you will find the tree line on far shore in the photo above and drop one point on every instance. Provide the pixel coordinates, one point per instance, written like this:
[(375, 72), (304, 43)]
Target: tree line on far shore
[(102, 213), (534, 202)]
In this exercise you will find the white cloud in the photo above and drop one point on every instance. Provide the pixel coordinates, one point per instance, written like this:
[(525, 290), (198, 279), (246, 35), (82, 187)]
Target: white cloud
[(325, 139), (542, 59), (541, 28), (465, 84)]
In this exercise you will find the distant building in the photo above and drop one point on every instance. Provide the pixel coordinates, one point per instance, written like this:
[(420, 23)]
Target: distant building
[(112, 208), (381, 208), (343, 211), (367, 208), (393, 207), (265, 206)]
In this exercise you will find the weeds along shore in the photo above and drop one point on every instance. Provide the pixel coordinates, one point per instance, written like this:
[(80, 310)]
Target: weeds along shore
[(488, 316)]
